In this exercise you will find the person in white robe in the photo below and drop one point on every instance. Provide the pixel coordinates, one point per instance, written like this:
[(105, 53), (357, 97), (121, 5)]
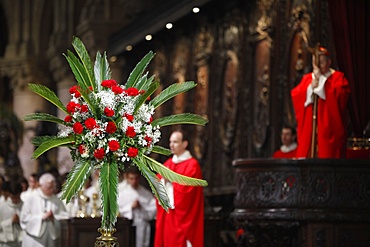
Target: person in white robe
[(33, 184), (137, 203), (10, 229), (41, 214)]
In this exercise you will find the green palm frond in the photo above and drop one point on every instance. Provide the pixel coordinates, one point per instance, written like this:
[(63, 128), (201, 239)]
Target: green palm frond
[(152, 88), (145, 82), (38, 140), (139, 69), (155, 184), (173, 176), (47, 145), (76, 179), (101, 69), (109, 192), (47, 94), (183, 118), (171, 91), (161, 150), (43, 117), (86, 62), (77, 69)]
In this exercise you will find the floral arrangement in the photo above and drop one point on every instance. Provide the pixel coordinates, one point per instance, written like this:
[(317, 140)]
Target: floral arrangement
[(108, 124)]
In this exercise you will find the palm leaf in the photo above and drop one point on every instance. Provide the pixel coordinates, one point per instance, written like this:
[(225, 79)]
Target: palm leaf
[(183, 118), (171, 91), (38, 140), (155, 184), (145, 82), (76, 179), (43, 117), (161, 150), (78, 70), (101, 69), (47, 145), (173, 176), (47, 94), (139, 70), (109, 191), (86, 61), (152, 88)]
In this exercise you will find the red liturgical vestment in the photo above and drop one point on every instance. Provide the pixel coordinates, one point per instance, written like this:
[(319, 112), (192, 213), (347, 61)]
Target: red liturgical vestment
[(331, 117), (186, 220), (284, 155)]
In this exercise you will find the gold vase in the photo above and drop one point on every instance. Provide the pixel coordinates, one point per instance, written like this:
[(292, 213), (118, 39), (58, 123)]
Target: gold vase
[(106, 239)]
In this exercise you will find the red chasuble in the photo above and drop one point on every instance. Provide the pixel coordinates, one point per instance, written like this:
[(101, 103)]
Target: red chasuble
[(285, 155), (186, 220), (331, 117)]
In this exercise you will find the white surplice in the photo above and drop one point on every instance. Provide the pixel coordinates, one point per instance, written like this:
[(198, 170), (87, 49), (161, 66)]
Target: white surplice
[(39, 233), (141, 216), (10, 233)]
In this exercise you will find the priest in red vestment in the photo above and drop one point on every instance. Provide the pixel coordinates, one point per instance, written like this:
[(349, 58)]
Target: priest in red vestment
[(332, 90), (289, 148), (183, 224)]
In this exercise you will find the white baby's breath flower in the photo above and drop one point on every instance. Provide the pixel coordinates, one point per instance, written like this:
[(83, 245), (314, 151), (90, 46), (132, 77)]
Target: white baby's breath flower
[(64, 131)]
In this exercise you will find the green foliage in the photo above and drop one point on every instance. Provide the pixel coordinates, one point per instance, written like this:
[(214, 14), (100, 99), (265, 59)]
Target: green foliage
[(152, 88), (155, 184), (161, 150), (109, 192), (171, 175), (85, 61), (171, 91), (52, 143), (76, 179), (183, 118), (47, 94), (43, 117), (137, 72), (101, 69)]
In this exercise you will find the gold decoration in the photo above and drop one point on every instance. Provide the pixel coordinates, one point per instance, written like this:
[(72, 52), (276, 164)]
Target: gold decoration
[(94, 211), (106, 239)]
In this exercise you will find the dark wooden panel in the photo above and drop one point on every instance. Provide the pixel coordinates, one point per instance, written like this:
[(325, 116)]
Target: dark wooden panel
[(83, 232)]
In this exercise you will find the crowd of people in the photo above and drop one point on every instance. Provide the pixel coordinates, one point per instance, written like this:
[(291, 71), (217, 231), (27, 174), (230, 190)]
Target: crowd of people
[(30, 214)]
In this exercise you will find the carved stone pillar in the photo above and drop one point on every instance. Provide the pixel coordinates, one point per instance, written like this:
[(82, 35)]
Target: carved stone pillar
[(26, 102)]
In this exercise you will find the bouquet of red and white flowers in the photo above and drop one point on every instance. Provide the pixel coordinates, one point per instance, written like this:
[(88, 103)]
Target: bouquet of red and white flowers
[(108, 124)]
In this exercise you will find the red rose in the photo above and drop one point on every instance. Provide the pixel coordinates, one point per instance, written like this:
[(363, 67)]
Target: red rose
[(74, 90), (81, 149), (108, 112), (78, 128), (99, 153), (113, 145), (130, 132), (148, 139), (109, 83), (129, 117), (132, 91), (84, 109), (117, 89), (111, 128), (90, 123), (150, 119), (73, 107), (132, 152), (68, 119)]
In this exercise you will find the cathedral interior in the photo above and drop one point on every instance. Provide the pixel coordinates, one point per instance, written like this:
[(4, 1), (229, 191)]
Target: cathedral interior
[(245, 56)]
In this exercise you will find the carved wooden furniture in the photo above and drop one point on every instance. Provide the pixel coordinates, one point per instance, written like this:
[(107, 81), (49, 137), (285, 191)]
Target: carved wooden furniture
[(308, 202), (83, 232)]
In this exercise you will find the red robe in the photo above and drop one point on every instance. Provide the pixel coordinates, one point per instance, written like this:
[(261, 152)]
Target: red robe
[(331, 117), (186, 220), (285, 155)]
